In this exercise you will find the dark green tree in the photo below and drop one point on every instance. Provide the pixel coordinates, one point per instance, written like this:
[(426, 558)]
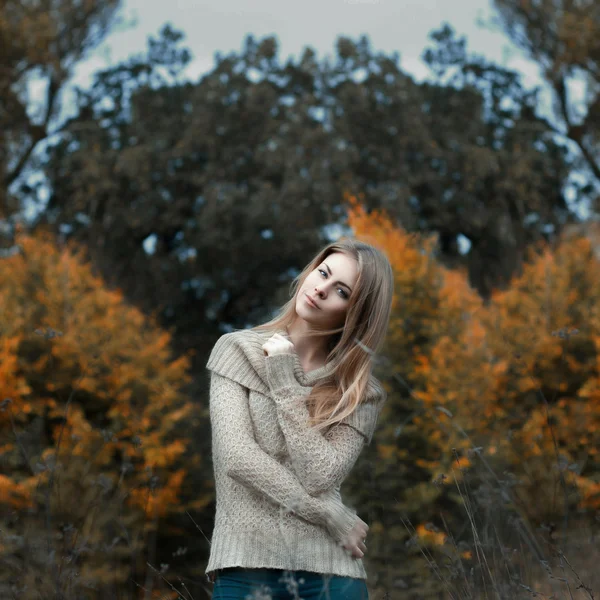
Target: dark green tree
[(231, 181), (563, 38)]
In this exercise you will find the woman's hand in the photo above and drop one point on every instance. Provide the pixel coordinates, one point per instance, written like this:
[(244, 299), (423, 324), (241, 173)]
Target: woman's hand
[(278, 344), (355, 539)]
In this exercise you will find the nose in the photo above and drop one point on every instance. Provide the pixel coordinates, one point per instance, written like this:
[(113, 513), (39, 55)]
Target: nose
[(319, 291)]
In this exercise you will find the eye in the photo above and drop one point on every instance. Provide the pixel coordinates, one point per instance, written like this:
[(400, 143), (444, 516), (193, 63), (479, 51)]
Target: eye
[(323, 273), (343, 293)]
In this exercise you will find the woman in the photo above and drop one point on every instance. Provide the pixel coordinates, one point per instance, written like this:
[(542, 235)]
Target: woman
[(292, 403)]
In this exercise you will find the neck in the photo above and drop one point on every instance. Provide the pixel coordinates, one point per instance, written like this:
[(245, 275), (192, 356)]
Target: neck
[(310, 350)]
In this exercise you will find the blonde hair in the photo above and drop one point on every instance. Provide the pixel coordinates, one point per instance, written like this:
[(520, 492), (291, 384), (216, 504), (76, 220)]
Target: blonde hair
[(352, 346)]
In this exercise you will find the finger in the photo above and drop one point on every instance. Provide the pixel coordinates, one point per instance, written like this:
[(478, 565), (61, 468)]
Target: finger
[(357, 552), (362, 546)]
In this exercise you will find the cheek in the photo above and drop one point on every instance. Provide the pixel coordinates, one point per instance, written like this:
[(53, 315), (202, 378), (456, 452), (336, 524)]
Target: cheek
[(339, 311), (311, 282)]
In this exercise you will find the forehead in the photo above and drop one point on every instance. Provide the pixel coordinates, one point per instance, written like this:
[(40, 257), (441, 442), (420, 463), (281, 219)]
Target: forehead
[(343, 266)]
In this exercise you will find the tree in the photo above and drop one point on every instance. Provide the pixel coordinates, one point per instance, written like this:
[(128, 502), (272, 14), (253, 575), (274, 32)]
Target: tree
[(40, 42), (562, 37), (211, 176), (544, 330), (509, 172), (493, 406), (94, 432), (406, 479)]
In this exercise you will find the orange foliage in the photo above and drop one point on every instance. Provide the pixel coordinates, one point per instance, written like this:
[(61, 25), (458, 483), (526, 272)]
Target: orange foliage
[(434, 337), (430, 536), (16, 495), (546, 328), (518, 377), (93, 393)]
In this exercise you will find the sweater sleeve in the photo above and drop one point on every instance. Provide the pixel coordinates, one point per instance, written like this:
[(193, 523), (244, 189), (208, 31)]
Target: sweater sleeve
[(236, 451), (321, 461)]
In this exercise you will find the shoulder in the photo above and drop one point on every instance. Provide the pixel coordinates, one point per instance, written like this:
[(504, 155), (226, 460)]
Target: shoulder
[(247, 339), (365, 415), (239, 356), (228, 349), (375, 392)]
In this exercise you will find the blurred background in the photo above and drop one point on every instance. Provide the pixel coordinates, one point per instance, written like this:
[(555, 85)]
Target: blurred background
[(169, 168)]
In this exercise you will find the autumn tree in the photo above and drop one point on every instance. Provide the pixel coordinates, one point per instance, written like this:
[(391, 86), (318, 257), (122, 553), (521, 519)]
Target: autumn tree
[(544, 331), (405, 479), (492, 405), (94, 432), (536, 416), (522, 392)]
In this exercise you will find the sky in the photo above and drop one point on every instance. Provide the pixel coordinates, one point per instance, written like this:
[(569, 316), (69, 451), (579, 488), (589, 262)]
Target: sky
[(391, 25)]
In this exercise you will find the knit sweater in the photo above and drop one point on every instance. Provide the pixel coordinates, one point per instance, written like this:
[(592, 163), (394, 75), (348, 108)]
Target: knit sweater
[(277, 478)]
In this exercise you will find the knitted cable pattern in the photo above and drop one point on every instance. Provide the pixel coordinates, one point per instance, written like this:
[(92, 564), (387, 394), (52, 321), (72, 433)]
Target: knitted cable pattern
[(277, 479)]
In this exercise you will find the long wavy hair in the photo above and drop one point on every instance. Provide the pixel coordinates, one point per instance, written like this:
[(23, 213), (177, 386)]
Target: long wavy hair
[(353, 346)]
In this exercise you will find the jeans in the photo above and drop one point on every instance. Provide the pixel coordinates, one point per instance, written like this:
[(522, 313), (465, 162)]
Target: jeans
[(274, 584)]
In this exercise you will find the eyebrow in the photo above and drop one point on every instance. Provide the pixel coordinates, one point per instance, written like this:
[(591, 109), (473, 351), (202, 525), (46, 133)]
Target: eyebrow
[(340, 282)]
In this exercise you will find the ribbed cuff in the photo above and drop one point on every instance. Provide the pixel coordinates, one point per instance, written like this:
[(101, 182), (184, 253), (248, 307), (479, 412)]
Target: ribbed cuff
[(280, 372), (340, 521)]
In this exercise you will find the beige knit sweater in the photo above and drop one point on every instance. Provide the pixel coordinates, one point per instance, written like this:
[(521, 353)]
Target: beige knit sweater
[(277, 479)]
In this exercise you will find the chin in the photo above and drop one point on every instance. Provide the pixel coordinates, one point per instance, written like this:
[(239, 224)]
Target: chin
[(304, 313)]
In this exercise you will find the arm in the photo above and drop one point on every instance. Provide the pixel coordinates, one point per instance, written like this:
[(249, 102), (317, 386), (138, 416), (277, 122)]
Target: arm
[(321, 461), (236, 451)]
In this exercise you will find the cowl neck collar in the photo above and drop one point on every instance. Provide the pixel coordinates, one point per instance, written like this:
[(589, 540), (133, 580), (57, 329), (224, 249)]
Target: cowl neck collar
[(308, 378), (240, 357)]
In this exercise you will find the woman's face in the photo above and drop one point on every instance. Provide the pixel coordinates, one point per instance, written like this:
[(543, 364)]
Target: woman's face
[(323, 298)]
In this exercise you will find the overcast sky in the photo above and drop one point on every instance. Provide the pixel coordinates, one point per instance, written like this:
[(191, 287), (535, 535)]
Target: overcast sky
[(391, 25)]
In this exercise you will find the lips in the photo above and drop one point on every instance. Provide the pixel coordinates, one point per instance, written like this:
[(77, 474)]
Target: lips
[(311, 301)]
